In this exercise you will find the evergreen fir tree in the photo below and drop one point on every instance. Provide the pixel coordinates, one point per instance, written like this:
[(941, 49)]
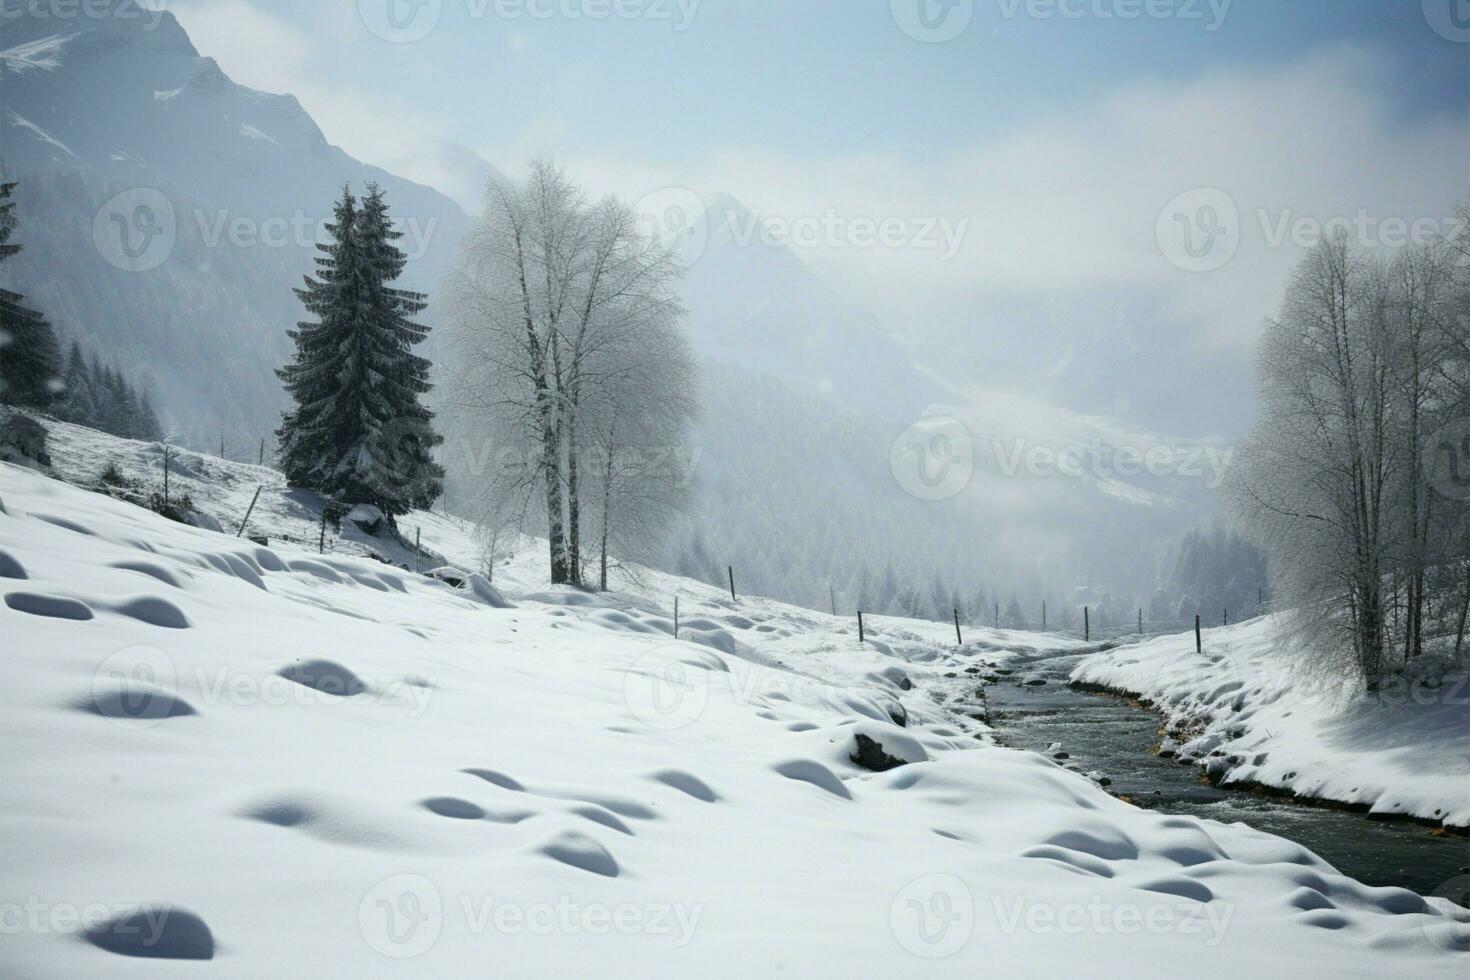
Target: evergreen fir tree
[(308, 438), (114, 406), (29, 356), (398, 464), (149, 428), (77, 403), (357, 432)]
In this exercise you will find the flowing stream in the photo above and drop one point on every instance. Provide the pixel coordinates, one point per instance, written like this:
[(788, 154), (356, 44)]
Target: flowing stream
[(1118, 738)]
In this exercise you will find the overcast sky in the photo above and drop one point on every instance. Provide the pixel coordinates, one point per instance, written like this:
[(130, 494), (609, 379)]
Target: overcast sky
[(1068, 145)]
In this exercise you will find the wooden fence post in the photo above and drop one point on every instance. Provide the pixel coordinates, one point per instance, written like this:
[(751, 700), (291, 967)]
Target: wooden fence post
[(248, 511), (261, 460), (860, 626), (1198, 643), (731, 569), (1043, 614), (832, 596), (1225, 617), (957, 637), (321, 540), (997, 615), (1140, 622), (1086, 625)]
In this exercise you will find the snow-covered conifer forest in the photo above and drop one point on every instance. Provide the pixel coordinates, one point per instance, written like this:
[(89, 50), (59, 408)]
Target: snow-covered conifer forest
[(694, 487)]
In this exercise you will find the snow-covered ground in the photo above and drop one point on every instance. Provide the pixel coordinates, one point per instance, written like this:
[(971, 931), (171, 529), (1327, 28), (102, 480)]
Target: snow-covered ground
[(322, 765), (1247, 713)]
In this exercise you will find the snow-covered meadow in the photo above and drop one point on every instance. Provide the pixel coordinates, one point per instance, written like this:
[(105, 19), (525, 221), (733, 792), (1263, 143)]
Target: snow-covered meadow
[(310, 765)]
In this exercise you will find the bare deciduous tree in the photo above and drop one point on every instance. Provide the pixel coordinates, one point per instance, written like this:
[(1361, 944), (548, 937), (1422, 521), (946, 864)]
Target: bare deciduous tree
[(1364, 364), (565, 348)]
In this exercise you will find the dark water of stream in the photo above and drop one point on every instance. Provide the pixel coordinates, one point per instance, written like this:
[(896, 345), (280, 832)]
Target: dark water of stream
[(1109, 734)]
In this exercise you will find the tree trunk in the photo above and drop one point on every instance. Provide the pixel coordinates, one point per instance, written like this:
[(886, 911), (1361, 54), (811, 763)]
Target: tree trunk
[(574, 500), (606, 509), (1464, 612)]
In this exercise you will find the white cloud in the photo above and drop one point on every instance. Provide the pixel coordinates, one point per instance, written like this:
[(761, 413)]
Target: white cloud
[(1070, 203), (1059, 213)]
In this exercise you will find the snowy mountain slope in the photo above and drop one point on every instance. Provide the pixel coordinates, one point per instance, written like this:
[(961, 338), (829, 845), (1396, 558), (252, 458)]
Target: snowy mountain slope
[(326, 766), (166, 212), (1248, 714)]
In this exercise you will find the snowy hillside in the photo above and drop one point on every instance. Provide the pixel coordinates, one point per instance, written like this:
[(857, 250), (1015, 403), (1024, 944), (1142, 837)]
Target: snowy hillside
[(322, 765), (1247, 713)]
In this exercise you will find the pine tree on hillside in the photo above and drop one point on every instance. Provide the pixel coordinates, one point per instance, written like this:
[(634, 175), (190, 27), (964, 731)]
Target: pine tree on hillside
[(358, 432), (29, 357), (400, 463), (146, 425), (77, 403), (309, 438), (113, 416)]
